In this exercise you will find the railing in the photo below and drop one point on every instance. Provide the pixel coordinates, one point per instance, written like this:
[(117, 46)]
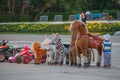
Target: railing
[(57, 22)]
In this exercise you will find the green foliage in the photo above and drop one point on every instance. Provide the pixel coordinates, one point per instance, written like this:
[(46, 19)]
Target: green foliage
[(112, 12), (35, 8), (14, 18)]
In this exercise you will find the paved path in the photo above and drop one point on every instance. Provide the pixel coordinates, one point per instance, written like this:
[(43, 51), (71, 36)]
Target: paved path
[(26, 39), (13, 71), (65, 22)]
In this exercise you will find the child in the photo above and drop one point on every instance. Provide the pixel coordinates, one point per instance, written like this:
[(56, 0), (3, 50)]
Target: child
[(83, 17), (3, 44), (107, 46)]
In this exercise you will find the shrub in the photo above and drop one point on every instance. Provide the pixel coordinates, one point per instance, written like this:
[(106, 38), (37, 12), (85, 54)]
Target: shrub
[(14, 18)]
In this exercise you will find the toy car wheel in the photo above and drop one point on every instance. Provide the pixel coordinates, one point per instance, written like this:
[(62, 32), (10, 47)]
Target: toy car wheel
[(18, 60), (43, 60), (12, 59), (26, 59), (2, 57)]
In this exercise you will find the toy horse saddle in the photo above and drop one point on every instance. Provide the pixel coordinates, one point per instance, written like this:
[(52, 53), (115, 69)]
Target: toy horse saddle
[(95, 43)]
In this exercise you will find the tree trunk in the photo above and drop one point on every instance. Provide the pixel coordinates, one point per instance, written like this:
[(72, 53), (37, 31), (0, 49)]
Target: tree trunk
[(24, 6), (11, 5)]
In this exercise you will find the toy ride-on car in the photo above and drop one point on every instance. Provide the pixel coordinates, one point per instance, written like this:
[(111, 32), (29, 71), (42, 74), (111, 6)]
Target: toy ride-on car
[(23, 56), (5, 52)]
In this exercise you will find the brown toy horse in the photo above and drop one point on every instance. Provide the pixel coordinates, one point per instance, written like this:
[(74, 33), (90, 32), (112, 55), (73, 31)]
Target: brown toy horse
[(84, 41), (72, 49)]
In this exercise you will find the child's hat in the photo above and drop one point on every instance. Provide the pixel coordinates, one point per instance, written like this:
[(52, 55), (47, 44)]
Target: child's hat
[(107, 36)]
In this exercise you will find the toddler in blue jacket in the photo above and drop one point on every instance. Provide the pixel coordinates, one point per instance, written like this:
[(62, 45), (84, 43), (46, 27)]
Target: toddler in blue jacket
[(107, 46)]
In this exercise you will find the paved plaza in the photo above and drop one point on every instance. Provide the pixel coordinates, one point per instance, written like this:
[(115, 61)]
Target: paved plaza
[(22, 39), (13, 71)]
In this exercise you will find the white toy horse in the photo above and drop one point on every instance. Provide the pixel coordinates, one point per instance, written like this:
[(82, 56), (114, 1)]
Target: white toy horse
[(50, 50)]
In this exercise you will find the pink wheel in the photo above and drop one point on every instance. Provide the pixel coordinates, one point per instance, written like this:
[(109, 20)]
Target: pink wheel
[(26, 59), (12, 59), (43, 60)]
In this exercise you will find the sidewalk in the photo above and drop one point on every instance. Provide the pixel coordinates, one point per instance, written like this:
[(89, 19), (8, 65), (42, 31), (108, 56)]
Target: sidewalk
[(26, 38), (13, 71)]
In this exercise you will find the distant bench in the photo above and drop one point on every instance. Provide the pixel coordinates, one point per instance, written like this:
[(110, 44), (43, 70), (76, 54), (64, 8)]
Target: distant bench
[(96, 15)]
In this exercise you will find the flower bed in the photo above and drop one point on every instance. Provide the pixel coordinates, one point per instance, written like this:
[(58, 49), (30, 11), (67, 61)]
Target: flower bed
[(104, 27), (94, 27)]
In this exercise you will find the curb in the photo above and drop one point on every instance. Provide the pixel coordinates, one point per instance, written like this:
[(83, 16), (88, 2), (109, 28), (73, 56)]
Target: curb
[(116, 44)]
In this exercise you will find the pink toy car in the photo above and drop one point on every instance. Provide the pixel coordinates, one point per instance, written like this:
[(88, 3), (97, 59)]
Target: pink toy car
[(24, 56)]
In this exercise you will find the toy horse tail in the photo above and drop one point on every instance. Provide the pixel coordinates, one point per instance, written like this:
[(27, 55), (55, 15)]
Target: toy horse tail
[(93, 54), (91, 49)]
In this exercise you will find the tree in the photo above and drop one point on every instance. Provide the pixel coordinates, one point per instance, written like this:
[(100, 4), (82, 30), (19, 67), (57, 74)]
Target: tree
[(35, 8), (39, 6), (24, 6), (11, 5)]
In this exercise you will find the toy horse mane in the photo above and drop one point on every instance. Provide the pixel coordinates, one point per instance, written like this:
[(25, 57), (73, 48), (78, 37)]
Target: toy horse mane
[(74, 26), (84, 26)]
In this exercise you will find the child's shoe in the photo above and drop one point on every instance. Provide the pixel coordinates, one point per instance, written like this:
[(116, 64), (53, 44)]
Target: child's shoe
[(108, 66), (105, 66)]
